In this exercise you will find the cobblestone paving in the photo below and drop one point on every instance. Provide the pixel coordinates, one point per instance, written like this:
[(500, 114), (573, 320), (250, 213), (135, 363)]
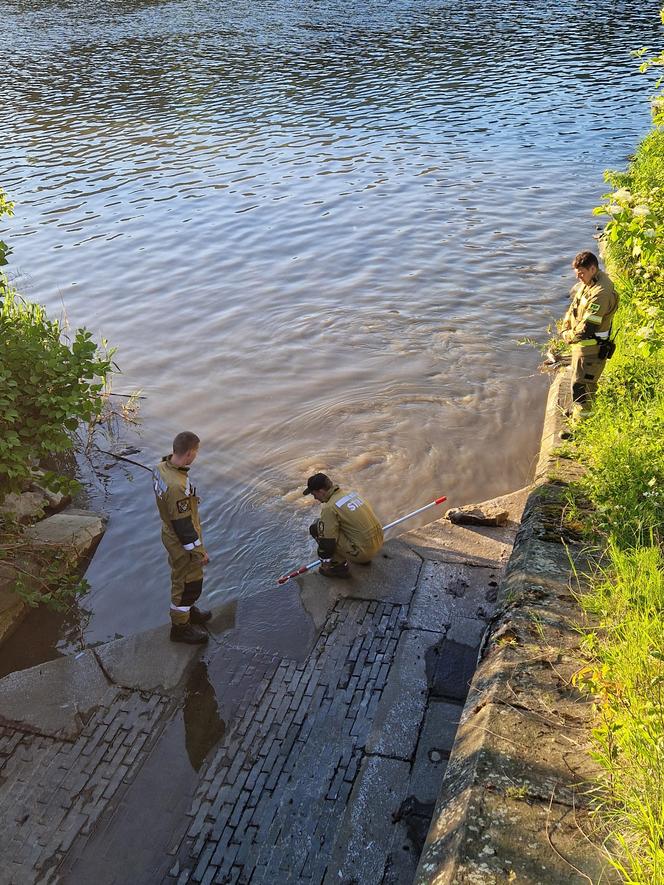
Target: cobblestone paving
[(51, 790), (271, 800), (249, 767), (216, 692)]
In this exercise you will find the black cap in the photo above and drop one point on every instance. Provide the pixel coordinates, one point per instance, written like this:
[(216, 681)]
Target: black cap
[(317, 482)]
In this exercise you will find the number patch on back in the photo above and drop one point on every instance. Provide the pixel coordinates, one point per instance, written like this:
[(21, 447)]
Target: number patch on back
[(352, 501)]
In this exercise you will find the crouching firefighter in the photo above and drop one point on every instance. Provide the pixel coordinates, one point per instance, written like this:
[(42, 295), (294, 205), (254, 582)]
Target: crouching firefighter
[(348, 529), (587, 327), (181, 536)]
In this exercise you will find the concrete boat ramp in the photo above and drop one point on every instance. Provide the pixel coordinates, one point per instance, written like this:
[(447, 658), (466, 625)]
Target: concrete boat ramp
[(315, 757)]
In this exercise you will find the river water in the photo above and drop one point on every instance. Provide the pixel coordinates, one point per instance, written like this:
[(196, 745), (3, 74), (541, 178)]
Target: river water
[(317, 232)]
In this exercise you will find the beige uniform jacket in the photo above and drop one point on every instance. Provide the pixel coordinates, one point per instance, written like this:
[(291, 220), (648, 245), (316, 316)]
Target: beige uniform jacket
[(590, 312), (178, 506), (347, 515)]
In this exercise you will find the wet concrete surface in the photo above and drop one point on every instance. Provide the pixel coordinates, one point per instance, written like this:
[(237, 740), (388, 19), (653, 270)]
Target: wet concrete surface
[(268, 754), (128, 843), (137, 831)]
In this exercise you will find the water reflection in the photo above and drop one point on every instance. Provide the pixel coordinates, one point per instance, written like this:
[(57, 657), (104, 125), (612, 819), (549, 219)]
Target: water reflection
[(203, 726), (43, 636)]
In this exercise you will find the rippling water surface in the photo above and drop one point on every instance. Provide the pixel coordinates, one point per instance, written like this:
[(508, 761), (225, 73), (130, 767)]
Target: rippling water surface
[(316, 231)]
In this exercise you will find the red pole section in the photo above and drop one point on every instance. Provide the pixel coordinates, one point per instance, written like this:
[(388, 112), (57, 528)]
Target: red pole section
[(306, 568)]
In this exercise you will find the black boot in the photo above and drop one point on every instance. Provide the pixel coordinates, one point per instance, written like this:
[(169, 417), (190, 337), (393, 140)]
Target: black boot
[(199, 615), (334, 570), (189, 633)]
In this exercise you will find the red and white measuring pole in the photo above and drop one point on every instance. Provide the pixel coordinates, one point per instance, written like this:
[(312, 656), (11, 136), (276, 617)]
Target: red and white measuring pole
[(390, 525)]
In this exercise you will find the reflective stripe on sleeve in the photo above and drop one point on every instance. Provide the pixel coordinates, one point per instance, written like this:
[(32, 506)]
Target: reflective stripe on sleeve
[(193, 544), (587, 342), (180, 608), (593, 318)]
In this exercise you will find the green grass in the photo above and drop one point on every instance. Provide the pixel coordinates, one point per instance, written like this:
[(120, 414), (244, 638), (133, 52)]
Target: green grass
[(622, 444), (647, 172), (625, 673), (622, 441)]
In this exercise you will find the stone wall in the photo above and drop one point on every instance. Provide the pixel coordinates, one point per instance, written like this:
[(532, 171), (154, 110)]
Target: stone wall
[(73, 533), (515, 804)]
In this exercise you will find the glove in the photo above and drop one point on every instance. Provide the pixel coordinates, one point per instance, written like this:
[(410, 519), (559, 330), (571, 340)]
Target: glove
[(326, 547)]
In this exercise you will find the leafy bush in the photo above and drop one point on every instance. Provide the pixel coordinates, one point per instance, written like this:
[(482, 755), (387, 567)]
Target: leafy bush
[(6, 208), (622, 442), (48, 384), (655, 61), (636, 228)]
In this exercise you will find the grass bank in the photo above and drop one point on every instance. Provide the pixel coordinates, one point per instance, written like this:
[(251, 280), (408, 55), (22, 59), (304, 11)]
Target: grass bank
[(622, 444)]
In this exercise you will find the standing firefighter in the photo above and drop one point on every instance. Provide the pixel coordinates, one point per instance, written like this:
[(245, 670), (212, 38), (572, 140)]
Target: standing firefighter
[(347, 529), (587, 327), (182, 538)]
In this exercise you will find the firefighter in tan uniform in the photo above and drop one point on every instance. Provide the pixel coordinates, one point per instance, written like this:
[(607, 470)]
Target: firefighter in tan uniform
[(181, 535), (347, 529), (587, 327)]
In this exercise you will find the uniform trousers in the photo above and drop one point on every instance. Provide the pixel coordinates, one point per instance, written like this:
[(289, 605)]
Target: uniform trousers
[(586, 369), (347, 550), (186, 579)]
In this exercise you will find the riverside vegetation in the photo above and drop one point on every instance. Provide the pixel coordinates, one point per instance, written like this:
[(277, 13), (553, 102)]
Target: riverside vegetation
[(622, 445), (50, 384)]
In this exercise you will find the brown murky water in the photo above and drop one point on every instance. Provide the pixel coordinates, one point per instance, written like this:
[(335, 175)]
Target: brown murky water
[(316, 232)]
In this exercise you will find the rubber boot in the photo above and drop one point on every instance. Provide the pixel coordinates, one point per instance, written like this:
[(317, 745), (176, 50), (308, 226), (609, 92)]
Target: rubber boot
[(334, 570), (199, 615), (189, 633)]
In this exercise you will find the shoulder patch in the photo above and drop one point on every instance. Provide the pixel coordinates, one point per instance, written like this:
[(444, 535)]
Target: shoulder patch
[(183, 505)]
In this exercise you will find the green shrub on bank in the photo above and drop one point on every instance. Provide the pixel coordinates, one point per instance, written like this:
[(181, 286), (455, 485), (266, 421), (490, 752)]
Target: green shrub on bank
[(6, 208), (623, 440), (622, 443), (48, 384)]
